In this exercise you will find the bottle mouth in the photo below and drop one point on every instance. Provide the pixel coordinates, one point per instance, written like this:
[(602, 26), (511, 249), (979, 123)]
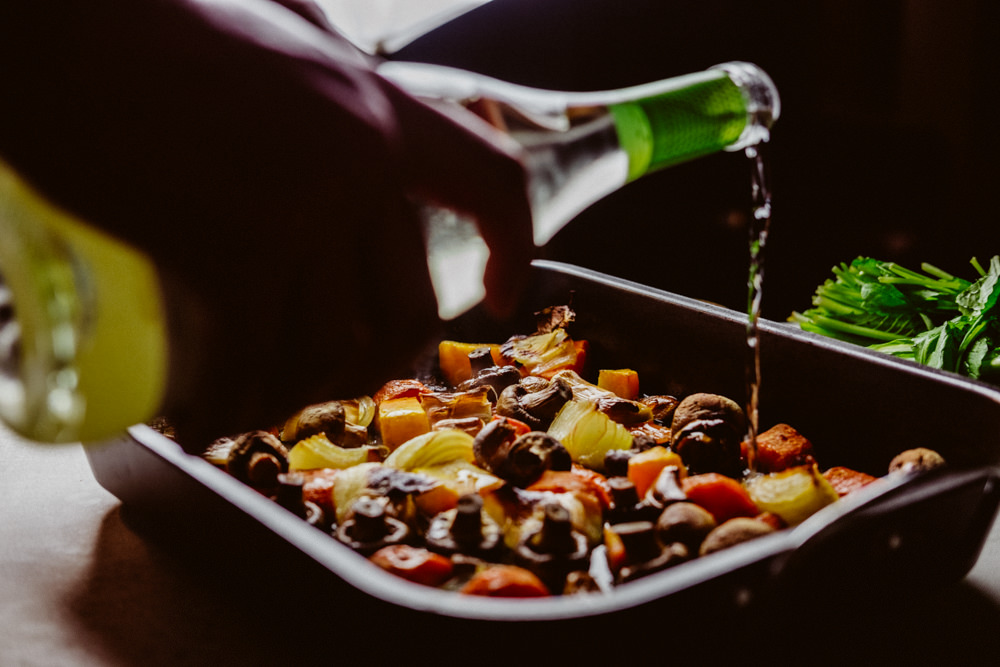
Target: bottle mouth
[(760, 95)]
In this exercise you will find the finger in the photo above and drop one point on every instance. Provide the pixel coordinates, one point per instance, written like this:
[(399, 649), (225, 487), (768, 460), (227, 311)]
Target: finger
[(460, 162)]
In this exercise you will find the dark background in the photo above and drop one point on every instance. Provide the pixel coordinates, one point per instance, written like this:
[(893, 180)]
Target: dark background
[(884, 147)]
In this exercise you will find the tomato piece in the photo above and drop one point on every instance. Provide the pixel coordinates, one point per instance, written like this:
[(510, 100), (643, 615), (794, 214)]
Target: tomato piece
[(520, 428), (577, 481), (505, 581), (414, 564)]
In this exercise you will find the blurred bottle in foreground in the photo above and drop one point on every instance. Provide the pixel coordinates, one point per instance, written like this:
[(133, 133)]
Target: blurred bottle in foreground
[(581, 146)]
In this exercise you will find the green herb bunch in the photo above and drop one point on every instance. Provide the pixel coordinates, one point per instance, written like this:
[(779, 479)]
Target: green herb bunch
[(929, 316)]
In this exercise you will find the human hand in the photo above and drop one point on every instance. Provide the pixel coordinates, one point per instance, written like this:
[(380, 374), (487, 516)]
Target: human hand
[(267, 171)]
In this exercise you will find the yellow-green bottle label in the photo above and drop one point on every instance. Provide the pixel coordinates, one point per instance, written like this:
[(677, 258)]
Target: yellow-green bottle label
[(667, 128)]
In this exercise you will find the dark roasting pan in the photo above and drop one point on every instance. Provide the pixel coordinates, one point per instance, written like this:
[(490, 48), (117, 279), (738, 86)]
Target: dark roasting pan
[(858, 407)]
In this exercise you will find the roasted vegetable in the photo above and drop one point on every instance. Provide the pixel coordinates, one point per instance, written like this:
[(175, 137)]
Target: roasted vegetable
[(845, 480), (414, 564), (723, 496), (453, 359), (506, 581), (400, 419), (544, 354), (732, 532), (623, 382), (918, 459), (534, 403), (781, 447), (257, 458), (707, 431), (588, 434), (794, 494), (560, 487), (645, 467)]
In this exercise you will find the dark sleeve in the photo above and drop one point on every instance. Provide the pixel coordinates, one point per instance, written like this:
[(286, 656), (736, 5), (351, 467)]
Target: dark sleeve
[(172, 121)]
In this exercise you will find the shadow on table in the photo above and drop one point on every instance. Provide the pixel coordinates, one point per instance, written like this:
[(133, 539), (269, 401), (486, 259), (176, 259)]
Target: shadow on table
[(151, 601), (143, 605)]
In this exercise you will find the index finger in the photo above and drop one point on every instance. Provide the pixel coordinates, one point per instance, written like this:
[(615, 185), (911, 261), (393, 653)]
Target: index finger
[(462, 163)]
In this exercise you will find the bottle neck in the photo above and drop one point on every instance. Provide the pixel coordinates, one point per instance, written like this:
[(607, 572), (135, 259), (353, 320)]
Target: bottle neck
[(581, 146)]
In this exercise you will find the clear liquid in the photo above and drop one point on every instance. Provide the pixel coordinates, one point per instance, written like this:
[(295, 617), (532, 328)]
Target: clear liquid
[(759, 226)]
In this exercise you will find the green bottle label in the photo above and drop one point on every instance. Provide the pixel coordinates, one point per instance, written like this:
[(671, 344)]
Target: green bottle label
[(677, 125)]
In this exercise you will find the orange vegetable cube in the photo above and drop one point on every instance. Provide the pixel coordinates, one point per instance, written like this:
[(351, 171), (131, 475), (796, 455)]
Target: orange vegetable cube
[(622, 382), (782, 447), (644, 467), (453, 359), (400, 419)]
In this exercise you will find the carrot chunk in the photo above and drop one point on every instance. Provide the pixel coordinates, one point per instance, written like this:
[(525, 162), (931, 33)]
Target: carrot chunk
[(723, 496)]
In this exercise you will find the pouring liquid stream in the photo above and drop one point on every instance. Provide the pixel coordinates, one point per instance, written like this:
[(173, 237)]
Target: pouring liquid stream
[(759, 225)]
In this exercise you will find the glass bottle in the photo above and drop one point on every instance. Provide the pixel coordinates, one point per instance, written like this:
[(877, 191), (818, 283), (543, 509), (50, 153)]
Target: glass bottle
[(83, 338), (581, 146)]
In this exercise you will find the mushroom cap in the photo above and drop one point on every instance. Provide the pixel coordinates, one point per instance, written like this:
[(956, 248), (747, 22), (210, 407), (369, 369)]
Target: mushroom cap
[(705, 406)]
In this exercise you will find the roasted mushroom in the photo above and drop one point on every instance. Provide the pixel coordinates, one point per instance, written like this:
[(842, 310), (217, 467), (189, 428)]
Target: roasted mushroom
[(485, 373), (707, 431), (465, 530), (257, 458), (644, 553), (291, 496), (918, 459), (733, 532), (626, 505), (535, 407), (330, 419), (370, 527), (518, 459), (686, 523), (555, 549)]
